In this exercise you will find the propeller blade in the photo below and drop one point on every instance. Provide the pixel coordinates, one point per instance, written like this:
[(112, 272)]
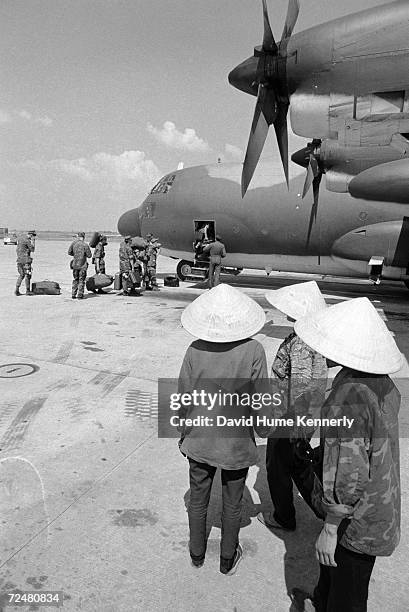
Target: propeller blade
[(312, 172), (308, 181), (280, 127), (269, 44), (314, 209), (291, 19), (264, 115)]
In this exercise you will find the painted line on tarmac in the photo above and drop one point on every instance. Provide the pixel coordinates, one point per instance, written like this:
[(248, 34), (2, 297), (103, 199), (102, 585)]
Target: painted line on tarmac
[(63, 352), (17, 429), (141, 404)]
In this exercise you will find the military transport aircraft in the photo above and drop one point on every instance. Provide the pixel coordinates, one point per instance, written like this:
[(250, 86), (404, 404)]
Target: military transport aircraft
[(346, 85)]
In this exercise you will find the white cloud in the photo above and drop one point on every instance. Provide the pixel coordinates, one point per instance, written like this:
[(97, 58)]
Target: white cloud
[(170, 136), (4, 117), (130, 168)]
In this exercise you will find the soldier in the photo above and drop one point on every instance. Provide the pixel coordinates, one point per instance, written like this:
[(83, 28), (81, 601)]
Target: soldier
[(80, 251), (25, 246), (360, 493), (152, 251), (126, 264), (99, 257), (216, 250)]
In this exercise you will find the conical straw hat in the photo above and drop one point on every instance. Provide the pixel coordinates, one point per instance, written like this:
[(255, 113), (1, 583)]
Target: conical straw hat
[(298, 300), (352, 334), (223, 314)]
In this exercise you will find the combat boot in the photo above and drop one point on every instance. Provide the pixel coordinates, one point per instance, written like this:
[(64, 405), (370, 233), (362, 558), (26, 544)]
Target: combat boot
[(17, 291)]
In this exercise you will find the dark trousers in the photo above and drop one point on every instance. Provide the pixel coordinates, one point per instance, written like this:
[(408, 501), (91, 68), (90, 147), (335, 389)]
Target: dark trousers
[(201, 480), (78, 282), (214, 274), (344, 588), (283, 467)]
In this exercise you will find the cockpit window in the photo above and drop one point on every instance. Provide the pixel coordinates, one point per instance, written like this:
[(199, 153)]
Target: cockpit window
[(164, 184)]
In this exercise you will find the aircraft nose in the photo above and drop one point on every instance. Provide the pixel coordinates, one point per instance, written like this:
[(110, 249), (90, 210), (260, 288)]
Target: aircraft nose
[(129, 223), (244, 75)]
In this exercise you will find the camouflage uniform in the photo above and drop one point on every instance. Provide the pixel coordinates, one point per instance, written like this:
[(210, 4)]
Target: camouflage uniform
[(25, 247), (80, 251), (361, 485), (126, 262), (99, 258), (302, 378), (152, 251)]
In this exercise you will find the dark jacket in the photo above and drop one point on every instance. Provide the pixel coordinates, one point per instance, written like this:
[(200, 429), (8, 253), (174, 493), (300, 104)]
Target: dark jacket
[(233, 367), (216, 251)]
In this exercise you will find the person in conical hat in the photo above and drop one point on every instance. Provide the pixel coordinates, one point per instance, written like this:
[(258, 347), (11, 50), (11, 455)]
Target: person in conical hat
[(302, 374), (223, 356), (361, 483)]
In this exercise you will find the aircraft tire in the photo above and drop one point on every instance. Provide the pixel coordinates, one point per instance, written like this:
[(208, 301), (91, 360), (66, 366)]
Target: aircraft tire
[(183, 269)]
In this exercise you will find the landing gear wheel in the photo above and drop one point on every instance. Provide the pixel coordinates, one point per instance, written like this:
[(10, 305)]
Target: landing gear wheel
[(184, 269)]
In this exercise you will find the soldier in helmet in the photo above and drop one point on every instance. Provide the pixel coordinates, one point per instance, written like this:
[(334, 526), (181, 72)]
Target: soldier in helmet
[(99, 257), (126, 264), (80, 252), (25, 247), (152, 251)]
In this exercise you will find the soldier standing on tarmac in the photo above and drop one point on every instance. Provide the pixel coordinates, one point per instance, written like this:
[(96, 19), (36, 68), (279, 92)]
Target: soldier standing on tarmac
[(25, 246), (126, 264), (152, 251), (99, 257), (80, 251)]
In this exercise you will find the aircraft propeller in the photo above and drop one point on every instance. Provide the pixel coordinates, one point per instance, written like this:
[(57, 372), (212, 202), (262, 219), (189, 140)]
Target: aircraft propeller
[(272, 92), (309, 158)]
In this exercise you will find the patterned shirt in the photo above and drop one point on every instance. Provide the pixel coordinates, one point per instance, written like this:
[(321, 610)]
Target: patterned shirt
[(152, 251), (79, 250), (24, 249), (126, 256), (302, 374), (361, 479), (99, 252)]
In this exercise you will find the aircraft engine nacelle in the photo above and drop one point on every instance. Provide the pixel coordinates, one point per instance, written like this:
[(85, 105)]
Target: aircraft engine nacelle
[(387, 240), (383, 183)]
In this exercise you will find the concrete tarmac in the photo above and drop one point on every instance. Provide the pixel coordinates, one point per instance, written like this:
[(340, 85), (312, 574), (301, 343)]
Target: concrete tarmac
[(92, 503)]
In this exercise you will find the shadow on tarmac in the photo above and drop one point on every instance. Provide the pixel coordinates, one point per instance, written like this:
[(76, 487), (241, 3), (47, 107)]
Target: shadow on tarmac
[(299, 564)]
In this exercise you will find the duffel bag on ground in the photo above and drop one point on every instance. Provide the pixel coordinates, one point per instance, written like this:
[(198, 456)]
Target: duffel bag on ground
[(99, 281), (171, 281), (45, 288)]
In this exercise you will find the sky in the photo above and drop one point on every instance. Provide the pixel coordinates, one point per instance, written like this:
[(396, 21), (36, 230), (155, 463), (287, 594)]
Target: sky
[(100, 98)]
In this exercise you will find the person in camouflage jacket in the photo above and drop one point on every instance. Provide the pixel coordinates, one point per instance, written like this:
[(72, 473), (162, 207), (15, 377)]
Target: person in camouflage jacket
[(126, 264), (360, 463), (152, 251), (80, 252), (301, 374), (25, 248)]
